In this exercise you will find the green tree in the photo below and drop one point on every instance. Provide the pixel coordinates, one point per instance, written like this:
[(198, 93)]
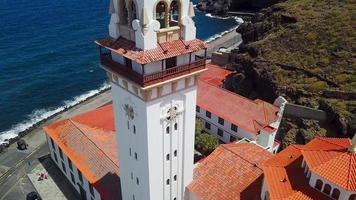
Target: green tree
[(206, 143), (199, 126)]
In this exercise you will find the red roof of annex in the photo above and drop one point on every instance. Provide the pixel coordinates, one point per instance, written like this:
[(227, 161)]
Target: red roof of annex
[(252, 116)]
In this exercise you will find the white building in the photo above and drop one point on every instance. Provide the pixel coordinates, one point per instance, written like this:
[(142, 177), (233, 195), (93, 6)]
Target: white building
[(233, 117), (141, 147)]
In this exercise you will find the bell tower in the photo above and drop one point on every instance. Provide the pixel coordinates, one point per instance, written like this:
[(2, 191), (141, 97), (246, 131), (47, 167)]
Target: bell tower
[(151, 59)]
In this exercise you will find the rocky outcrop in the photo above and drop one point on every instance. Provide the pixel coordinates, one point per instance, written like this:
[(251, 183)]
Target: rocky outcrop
[(284, 53), (221, 7)]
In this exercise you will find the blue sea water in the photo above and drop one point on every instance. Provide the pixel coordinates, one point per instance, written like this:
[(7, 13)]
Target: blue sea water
[(48, 59)]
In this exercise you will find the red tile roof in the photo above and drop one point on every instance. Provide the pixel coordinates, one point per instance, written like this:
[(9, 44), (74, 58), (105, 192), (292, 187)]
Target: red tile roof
[(327, 157), (232, 171), (250, 115), (89, 141), (164, 50)]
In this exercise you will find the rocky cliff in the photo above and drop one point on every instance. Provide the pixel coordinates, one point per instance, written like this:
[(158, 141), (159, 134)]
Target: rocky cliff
[(304, 50), (221, 7)]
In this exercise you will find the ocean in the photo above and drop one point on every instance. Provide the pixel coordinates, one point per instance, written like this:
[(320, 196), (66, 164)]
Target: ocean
[(48, 59)]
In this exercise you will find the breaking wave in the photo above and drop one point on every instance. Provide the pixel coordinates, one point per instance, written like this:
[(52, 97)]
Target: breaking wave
[(40, 115), (219, 35)]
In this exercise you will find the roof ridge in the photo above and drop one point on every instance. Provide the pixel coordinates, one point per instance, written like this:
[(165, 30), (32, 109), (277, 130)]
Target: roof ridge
[(349, 173), (228, 91), (326, 140), (70, 120), (328, 163), (254, 164)]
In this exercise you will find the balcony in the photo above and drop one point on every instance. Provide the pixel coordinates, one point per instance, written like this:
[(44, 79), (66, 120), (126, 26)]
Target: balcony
[(145, 80)]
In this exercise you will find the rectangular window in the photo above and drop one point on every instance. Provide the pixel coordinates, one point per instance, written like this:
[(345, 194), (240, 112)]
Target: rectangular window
[(91, 189), (208, 114), (80, 176), (64, 167), (221, 121), (220, 133), (197, 109), (207, 125), (72, 176), (234, 127), (70, 164), (55, 156), (52, 144), (60, 153), (171, 62), (232, 138)]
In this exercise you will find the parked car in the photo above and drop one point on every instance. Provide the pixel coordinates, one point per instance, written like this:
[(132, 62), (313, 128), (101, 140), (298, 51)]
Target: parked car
[(33, 196), (21, 144)]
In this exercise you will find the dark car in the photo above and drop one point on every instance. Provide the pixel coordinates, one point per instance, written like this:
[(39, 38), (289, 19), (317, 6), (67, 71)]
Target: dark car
[(33, 196), (21, 144)]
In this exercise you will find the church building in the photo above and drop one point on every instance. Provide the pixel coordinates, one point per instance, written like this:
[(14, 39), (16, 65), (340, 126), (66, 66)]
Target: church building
[(141, 146)]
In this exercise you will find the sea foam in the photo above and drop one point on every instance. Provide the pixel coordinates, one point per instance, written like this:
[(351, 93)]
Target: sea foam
[(219, 35), (40, 115)]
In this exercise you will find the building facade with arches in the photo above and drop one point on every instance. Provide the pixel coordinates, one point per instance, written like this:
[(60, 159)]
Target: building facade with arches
[(322, 169)]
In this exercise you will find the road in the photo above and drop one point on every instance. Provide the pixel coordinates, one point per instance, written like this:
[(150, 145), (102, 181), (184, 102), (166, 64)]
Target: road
[(14, 184)]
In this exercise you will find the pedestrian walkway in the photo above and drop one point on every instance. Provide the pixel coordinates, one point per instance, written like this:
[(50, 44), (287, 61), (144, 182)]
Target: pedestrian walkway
[(49, 182)]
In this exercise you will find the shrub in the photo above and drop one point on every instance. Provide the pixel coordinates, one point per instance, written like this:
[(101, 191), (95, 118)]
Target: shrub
[(199, 126), (206, 143), (318, 86), (343, 78)]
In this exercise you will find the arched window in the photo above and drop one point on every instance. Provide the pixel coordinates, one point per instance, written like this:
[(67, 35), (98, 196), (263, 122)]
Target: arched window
[(161, 14), (133, 12), (174, 13), (167, 130), (175, 126), (327, 189), (335, 194), (124, 13), (352, 197), (318, 184)]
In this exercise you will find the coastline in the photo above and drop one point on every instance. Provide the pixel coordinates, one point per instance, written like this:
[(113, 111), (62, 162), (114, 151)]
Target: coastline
[(95, 98)]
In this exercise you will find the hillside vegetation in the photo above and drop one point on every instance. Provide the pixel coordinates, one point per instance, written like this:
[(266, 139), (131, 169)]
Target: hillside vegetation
[(304, 50)]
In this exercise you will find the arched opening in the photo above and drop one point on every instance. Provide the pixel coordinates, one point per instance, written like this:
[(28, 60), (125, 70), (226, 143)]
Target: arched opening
[(161, 14), (352, 197), (318, 184), (327, 189), (335, 194), (133, 12), (174, 13), (124, 13)]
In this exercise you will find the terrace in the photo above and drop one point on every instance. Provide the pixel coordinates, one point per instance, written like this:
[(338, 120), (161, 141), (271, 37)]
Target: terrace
[(145, 79)]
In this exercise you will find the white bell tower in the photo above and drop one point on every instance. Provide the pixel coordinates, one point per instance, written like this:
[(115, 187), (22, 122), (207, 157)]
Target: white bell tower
[(150, 59)]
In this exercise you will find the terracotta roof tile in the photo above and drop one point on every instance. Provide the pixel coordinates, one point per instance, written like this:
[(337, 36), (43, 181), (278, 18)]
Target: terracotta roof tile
[(250, 115), (327, 157), (230, 172), (164, 50), (90, 147)]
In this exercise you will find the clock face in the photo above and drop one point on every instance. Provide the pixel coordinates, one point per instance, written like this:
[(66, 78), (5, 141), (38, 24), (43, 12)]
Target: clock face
[(129, 111), (172, 113)]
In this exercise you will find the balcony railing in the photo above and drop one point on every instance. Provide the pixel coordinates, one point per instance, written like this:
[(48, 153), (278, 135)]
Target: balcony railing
[(153, 78)]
